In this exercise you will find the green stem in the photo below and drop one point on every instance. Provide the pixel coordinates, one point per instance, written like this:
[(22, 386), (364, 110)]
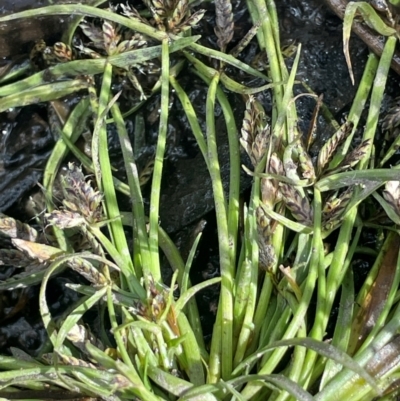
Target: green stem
[(226, 297), (154, 267)]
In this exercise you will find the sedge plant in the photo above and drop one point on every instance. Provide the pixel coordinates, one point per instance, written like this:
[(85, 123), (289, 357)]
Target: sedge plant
[(268, 341)]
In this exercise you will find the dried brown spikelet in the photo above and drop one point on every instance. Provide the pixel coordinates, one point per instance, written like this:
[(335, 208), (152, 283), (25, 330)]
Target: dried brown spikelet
[(14, 258), (111, 37), (270, 188), (245, 40), (146, 173), (136, 42), (190, 22), (179, 13), (391, 122), (276, 165), (63, 52), (266, 251), (65, 219), (170, 4), (391, 194), (94, 33), (87, 270), (305, 162), (259, 146), (255, 132), (11, 228), (356, 155), (135, 83), (160, 7), (328, 150), (334, 208), (79, 196), (224, 23), (132, 13), (80, 334), (298, 205)]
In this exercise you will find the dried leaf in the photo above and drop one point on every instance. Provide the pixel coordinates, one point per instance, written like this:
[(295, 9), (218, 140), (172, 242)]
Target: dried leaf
[(374, 300), (72, 361), (40, 252)]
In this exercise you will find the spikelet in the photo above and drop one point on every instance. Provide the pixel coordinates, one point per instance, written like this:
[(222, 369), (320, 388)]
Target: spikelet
[(255, 132), (94, 33), (15, 258), (392, 195), (53, 56), (224, 23), (135, 83), (248, 127), (146, 173), (87, 270), (352, 158), (65, 219), (357, 154), (305, 162), (245, 40), (391, 122), (298, 205), (111, 38), (266, 251), (270, 193), (156, 304), (137, 41), (79, 196), (80, 334), (62, 52), (178, 15), (334, 208), (11, 228), (189, 22), (328, 150), (132, 13)]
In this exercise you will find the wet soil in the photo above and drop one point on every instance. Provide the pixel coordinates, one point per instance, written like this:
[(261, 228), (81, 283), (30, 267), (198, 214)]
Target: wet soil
[(186, 194)]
